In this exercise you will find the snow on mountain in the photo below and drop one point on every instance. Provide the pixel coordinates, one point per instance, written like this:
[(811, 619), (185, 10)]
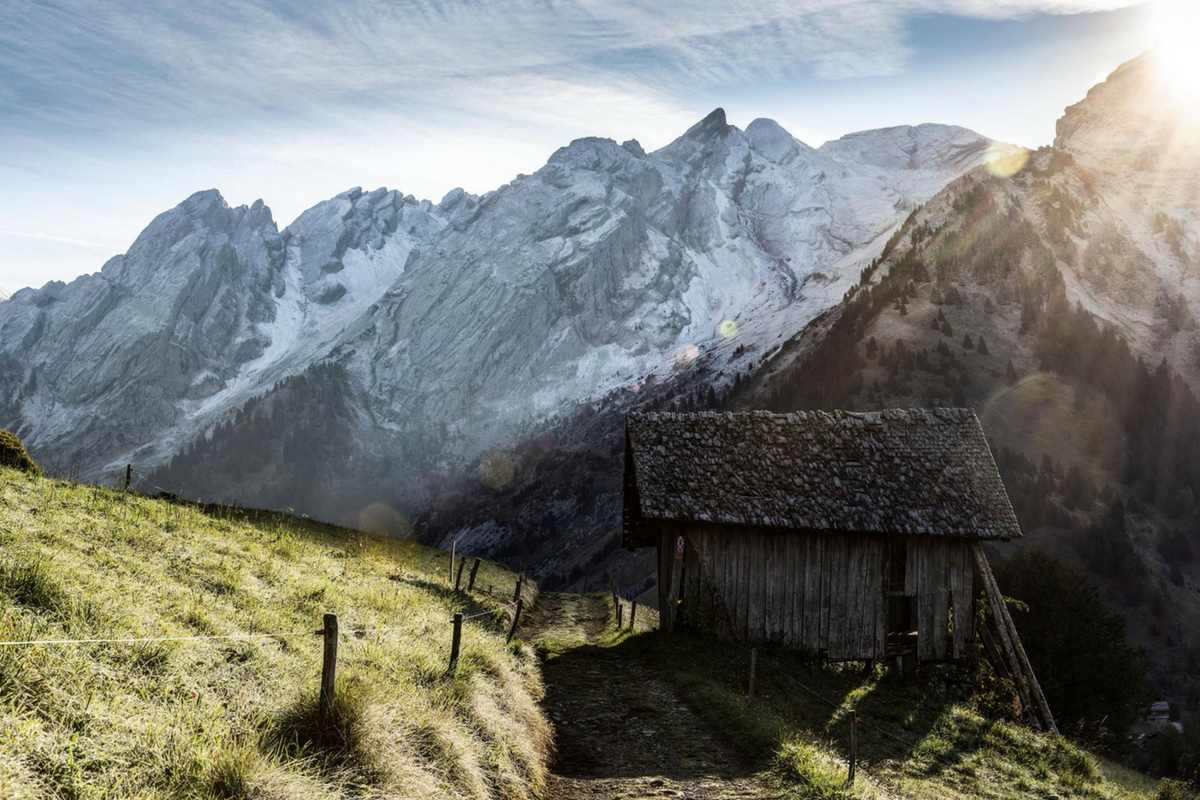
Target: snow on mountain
[(3, 295), (461, 326), (609, 267), (210, 305)]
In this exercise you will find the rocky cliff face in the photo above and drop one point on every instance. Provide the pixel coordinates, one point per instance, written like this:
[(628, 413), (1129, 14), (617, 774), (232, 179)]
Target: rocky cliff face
[(210, 305), (457, 329)]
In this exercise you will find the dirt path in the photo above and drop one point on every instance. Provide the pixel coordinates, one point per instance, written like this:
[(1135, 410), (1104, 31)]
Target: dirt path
[(621, 731)]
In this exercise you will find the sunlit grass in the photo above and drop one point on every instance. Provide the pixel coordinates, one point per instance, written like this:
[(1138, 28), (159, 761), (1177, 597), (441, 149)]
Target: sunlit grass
[(234, 718), (919, 738)]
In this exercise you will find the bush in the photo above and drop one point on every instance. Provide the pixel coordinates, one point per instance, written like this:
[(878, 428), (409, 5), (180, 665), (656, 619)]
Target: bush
[(13, 454), (1177, 790), (1093, 680)]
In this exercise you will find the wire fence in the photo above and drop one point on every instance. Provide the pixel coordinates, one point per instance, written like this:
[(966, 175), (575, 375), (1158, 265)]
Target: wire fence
[(350, 633)]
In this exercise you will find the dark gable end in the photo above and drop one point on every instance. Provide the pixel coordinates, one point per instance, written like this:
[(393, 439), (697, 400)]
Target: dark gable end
[(910, 471)]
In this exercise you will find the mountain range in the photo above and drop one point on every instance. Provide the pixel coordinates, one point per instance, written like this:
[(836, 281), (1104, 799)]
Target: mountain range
[(459, 369), (440, 334)]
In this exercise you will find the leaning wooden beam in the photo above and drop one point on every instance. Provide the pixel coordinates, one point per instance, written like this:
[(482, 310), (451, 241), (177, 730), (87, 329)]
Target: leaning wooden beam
[(993, 652), (996, 601), (1039, 698)]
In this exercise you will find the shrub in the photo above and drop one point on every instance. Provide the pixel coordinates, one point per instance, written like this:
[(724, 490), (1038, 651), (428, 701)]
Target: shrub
[(13, 454), (1177, 790), (1093, 680)]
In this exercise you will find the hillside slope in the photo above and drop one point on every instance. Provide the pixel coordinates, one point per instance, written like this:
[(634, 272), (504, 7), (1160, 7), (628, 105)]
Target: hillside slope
[(673, 717), (235, 717)]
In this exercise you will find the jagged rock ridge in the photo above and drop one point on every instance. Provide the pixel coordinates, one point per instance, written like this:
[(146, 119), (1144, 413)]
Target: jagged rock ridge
[(460, 327)]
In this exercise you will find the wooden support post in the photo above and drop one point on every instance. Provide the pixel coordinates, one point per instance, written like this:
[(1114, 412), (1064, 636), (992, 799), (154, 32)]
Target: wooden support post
[(853, 745), (128, 476), (471, 580), (455, 641), (993, 653), (453, 546), (632, 614), (516, 619), (1041, 707), (462, 562), (999, 612), (753, 673), (328, 671), (517, 593), (620, 615)]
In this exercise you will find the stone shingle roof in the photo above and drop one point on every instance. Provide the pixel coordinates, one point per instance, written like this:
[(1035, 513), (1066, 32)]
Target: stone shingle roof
[(912, 471)]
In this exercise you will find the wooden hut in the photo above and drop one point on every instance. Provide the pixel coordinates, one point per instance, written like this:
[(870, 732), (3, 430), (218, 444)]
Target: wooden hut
[(853, 536)]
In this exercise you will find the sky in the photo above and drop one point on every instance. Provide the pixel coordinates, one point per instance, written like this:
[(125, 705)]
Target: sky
[(112, 111)]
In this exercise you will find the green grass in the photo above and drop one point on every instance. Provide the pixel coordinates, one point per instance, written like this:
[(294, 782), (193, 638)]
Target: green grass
[(237, 718), (920, 737)]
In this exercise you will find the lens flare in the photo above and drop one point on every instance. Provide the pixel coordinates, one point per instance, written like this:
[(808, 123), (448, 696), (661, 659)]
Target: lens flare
[(382, 519), (728, 329), (686, 355), (1004, 160), (1175, 26), (496, 470)]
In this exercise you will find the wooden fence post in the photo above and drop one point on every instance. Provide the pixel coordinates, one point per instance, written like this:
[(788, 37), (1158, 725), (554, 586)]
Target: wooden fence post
[(620, 614), (853, 745), (462, 562), (632, 614), (517, 593), (516, 618), (753, 673), (455, 640), (453, 545), (471, 580), (328, 671), (128, 475)]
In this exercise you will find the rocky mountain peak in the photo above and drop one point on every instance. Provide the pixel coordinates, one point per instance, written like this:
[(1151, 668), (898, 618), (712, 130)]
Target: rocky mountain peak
[(711, 127), (769, 138), (1135, 119)]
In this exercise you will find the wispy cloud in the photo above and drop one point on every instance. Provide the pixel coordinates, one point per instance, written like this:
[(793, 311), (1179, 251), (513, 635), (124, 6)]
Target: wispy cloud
[(81, 64), (112, 110), (47, 237)]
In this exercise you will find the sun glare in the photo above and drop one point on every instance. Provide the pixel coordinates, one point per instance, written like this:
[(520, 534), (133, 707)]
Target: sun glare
[(1175, 25)]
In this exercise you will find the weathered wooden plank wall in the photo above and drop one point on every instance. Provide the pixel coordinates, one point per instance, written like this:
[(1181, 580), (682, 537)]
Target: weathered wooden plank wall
[(812, 593), (940, 575), (817, 592)]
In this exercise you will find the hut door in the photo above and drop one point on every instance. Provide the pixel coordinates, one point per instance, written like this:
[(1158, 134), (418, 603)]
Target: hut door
[(901, 605)]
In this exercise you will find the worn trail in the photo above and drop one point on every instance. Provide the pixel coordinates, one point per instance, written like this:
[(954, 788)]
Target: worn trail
[(621, 731)]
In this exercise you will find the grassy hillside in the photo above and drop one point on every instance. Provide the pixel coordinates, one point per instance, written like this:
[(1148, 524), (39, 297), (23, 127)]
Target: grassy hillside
[(236, 718), (918, 737)]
